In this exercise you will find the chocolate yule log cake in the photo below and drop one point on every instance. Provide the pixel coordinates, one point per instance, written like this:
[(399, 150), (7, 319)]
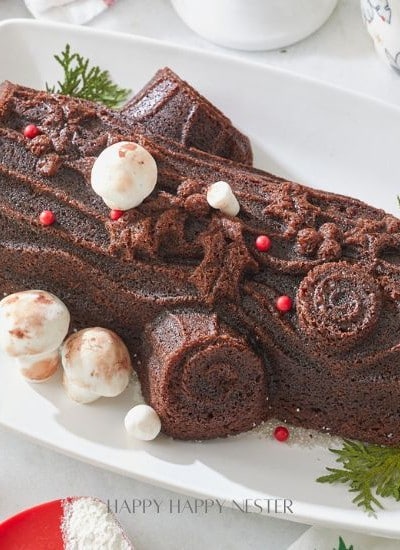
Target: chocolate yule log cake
[(169, 106), (287, 309)]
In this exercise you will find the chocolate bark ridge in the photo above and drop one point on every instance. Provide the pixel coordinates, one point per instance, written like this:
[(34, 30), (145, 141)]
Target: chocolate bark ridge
[(200, 377), (170, 107), (226, 260)]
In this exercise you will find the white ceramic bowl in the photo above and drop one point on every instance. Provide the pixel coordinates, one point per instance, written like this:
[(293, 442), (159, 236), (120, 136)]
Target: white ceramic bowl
[(254, 24), (382, 19)]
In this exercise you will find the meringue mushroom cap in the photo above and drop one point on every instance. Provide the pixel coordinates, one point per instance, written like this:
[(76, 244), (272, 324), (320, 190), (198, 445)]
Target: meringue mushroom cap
[(124, 174), (143, 422), (32, 322), (96, 360)]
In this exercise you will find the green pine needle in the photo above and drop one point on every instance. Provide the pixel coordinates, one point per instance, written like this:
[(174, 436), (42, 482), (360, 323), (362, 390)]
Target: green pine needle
[(87, 82), (371, 471), (342, 545)]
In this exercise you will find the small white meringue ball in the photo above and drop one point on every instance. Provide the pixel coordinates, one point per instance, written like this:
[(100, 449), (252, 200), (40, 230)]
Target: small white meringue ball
[(124, 174), (143, 423), (221, 197)]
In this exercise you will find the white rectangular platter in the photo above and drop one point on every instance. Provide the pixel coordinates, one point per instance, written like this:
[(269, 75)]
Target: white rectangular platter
[(302, 129)]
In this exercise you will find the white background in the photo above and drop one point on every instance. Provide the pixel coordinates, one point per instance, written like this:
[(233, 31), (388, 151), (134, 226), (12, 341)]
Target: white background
[(340, 53)]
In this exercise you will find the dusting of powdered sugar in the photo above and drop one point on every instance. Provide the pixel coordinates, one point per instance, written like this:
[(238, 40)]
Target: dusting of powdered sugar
[(297, 436), (87, 524), (136, 392)]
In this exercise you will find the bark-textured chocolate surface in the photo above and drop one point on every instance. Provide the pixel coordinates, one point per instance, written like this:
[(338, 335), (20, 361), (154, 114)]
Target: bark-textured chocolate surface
[(189, 292), (169, 106)]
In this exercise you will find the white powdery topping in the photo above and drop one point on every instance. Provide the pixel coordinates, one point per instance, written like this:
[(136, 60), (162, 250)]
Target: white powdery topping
[(297, 436), (137, 397), (88, 525)]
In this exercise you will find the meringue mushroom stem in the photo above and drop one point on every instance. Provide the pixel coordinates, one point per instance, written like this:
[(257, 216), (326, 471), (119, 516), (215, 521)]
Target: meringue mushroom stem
[(78, 393), (39, 367), (221, 197)]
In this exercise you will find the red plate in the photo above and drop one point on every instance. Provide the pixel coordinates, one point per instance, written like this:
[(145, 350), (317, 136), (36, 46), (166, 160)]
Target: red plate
[(38, 528)]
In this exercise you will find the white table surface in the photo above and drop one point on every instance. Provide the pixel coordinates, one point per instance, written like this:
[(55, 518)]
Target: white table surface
[(340, 53)]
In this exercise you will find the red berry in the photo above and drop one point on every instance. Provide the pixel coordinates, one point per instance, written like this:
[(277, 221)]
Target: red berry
[(263, 243), (47, 217), (116, 214), (281, 433), (31, 131), (284, 304)]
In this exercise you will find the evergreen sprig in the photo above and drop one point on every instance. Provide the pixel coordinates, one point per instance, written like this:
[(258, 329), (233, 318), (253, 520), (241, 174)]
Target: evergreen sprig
[(86, 81), (342, 545), (371, 471)]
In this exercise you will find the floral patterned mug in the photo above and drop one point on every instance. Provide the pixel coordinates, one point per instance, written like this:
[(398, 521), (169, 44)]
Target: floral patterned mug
[(382, 19)]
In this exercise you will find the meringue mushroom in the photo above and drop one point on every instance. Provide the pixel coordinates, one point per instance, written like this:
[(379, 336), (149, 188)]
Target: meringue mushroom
[(143, 422), (221, 197), (96, 364), (33, 325), (124, 174)]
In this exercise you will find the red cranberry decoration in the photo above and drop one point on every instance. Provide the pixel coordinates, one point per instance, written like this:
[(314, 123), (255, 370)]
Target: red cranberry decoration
[(116, 214), (281, 433), (263, 243), (284, 304), (31, 131), (47, 217)]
